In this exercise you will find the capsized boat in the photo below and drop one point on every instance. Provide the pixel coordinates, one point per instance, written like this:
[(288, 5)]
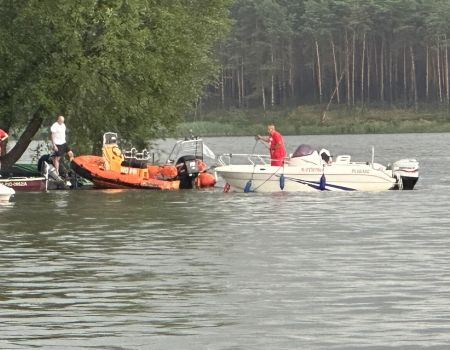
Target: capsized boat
[(310, 170), (119, 169), (6, 193)]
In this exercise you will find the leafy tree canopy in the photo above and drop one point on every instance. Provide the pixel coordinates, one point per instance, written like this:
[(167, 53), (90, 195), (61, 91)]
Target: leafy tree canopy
[(107, 65)]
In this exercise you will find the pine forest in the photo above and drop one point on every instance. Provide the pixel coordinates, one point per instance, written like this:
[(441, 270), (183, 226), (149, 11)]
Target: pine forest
[(351, 52)]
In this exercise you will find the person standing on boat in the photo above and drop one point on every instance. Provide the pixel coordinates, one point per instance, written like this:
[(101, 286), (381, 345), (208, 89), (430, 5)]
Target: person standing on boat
[(276, 145), (58, 137)]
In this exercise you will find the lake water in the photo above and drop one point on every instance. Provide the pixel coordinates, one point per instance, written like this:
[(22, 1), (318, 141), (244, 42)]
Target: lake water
[(212, 270)]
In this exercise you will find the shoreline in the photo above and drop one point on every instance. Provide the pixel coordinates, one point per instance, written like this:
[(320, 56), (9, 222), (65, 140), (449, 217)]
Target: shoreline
[(310, 120)]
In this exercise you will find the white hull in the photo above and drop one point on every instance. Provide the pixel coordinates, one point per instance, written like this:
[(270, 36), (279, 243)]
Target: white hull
[(6, 193), (310, 173), (268, 179)]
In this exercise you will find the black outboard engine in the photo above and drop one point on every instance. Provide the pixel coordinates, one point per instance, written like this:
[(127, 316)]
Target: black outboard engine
[(47, 169), (187, 171)]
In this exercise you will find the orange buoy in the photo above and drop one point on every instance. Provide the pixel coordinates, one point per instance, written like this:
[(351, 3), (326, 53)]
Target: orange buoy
[(206, 180)]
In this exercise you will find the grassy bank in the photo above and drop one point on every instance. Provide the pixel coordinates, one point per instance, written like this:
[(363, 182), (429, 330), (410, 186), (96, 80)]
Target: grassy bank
[(307, 120)]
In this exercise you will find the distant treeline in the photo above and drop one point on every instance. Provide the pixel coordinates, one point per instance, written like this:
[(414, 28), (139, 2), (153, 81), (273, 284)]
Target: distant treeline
[(290, 52)]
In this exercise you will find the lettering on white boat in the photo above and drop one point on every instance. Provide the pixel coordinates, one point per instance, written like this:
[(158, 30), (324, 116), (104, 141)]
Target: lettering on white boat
[(312, 170), (360, 171)]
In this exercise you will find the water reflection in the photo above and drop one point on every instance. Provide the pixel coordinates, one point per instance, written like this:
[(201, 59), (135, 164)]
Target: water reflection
[(206, 269)]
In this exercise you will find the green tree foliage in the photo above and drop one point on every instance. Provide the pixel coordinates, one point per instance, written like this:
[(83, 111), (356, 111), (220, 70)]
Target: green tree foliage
[(127, 66), (255, 52)]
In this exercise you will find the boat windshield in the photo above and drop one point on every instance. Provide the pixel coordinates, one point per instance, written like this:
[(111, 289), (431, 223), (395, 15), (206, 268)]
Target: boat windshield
[(193, 146), (303, 150)]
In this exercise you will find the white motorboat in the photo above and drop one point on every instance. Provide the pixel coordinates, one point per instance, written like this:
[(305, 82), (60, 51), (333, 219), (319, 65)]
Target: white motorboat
[(6, 193), (310, 170)]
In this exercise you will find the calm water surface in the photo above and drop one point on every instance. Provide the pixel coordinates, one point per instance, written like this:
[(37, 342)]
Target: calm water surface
[(211, 270)]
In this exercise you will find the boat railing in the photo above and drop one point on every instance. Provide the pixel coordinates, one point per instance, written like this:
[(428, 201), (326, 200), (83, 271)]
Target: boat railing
[(243, 158), (134, 154)]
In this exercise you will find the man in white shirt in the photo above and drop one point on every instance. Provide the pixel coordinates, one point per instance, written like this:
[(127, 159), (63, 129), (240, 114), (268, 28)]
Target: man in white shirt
[(58, 130)]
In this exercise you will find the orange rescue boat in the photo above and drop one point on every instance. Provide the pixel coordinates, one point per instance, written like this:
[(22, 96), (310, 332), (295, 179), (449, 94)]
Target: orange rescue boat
[(120, 170)]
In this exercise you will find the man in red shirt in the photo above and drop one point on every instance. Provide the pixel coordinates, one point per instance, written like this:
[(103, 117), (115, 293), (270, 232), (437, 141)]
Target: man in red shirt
[(276, 145)]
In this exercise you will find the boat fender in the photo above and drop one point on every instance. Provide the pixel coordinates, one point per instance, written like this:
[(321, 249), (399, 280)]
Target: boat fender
[(322, 183), (248, 186), (282, 180), (205, 180)]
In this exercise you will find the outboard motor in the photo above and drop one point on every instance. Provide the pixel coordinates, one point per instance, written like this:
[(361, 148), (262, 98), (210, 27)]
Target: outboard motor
[(188, 171), (47, 169), (407, 173)]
